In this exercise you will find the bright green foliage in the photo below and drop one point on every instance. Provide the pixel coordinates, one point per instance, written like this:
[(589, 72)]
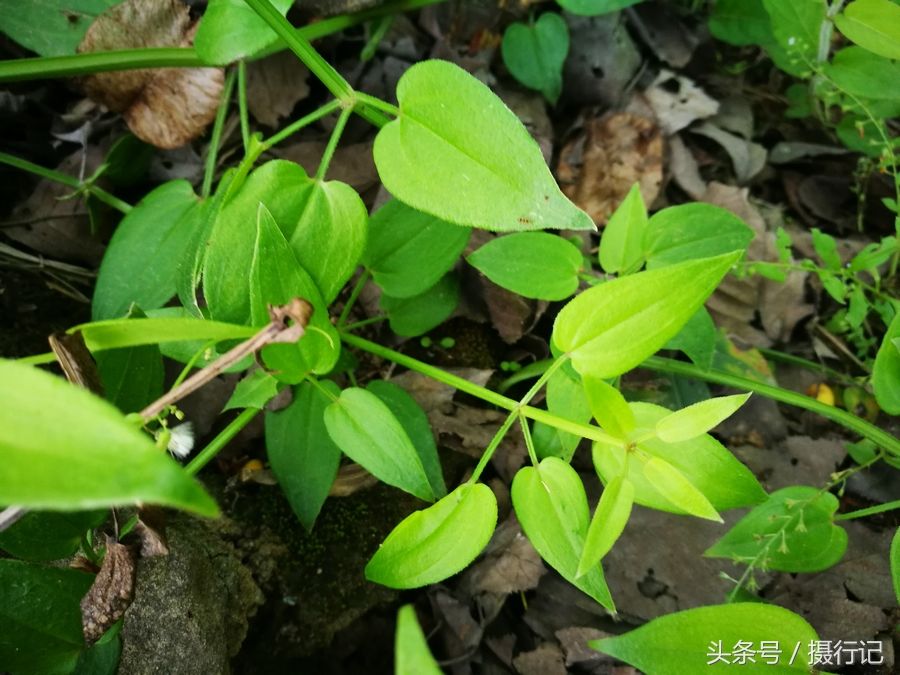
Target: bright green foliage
[(826, 248), (678, 490), (115, 333), (40, 623), (303, 457), (608, 407), (697, 419), (50, 27), (691, 231), (873, 25), (254, 391), (499, 182), (409, 251), (796, 26), (419, 314), (741, 22), (612, 327), (552, 508), (160, 226), (886, 371), (276, 278), (703, 461), (411, 653), (66, 449), (793, 531), (47, 535), (532, 264), (433, 544), (697, 339), (367, 432), (595, 7), (132, 377), (610, 518), (862, 73), (895, 563), (231, 30), (622, 248), (535, 53), (680, 643), (566, 399)]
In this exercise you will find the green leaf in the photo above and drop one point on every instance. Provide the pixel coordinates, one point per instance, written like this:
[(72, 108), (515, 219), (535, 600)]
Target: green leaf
[(566, 399), (367, 432), (40, 618), (46, 535), (704, 462), (482, 171), (741, 22), (678, 490), (535, 53), (596, 7), (102, 658), (254, 391), (796, 27), (419, 314), (622, 245), (691, 231), (610, 518), (552, 508), (132, 377), (100, 335), (303, 457), (50, 27), (873, 25), (886, 371), (433, 544), (415, 422), (160, 224), (608, 407), (66, 449), (697, 338), (685, 643), (409, 251), (532, 264), (793, 531), (612, 327), (862, 73), (411, 653), (826, 248), (276, 278), (230, 30), (895, 564), (697, 419)]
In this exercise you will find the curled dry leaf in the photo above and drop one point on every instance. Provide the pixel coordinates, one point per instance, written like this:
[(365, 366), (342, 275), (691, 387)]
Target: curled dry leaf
[(274, 85), (166, 107), (510, 563), (597, 169), (110, 594), (677, 102)]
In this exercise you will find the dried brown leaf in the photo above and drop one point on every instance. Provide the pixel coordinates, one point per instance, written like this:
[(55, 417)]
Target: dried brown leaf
[(110, 594), (274, 86), (510, 563), (677, 101), (547, 659)]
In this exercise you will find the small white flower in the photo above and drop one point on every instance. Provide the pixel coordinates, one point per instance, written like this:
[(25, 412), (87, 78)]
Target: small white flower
[(181, 440)]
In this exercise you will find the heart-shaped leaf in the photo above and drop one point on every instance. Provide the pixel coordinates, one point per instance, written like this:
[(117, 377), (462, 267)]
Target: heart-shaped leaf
[(535, 53), (231, 30)]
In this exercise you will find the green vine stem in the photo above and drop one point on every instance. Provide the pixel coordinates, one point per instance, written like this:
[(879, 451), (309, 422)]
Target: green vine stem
[(333, 141), (212, 152), (242, 105), (842, 417), (221, 440)]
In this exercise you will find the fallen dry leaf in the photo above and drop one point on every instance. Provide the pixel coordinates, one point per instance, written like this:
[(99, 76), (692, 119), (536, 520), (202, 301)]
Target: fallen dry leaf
[(110, 594), (274, 86), (598, 167), (510, 563), (166, 107), (747, 158), (677, 101), (547, 659), (351, 164), (602, 62)]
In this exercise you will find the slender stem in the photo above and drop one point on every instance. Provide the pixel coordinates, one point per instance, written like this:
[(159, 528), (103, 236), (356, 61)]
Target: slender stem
[(382, 25), (64, 179), (304, 121), (354, 295), (221, 440), (315, 382), (378, 104), (775, 355), (871, 511), (842, 417), (492, 447), (333, 142), (356, 325), (213, 152), (242, 105), (529, 441)]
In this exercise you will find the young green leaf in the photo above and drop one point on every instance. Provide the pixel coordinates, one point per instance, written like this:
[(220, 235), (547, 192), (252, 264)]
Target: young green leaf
[(611, 328), (48, 535), (500, 182), (433, 544), (703, 461), (622, 245), (532, 264), (419, 314), (409, 251), (132, 377), (66, 449), (610, 518), (552, 508), (231, 31), (886, 371), (116, 333), (697, 339), (40, 620), (535, 53), (741, 22), (565, 398), (303, 457), (596, 7), (608, 407), (51, 27), (895, 564), (793, 531), (691, 231), (411, 653), (160, 224), (862, 73), (697, 419), (826, 248), (677, 489), (796, 26), (367, 432), (684, 643), (873, 25), (254, 391), (415, 423)]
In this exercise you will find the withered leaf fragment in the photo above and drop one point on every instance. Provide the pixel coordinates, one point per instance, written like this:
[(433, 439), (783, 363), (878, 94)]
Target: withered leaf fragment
[(110, 594), (166, 107)]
